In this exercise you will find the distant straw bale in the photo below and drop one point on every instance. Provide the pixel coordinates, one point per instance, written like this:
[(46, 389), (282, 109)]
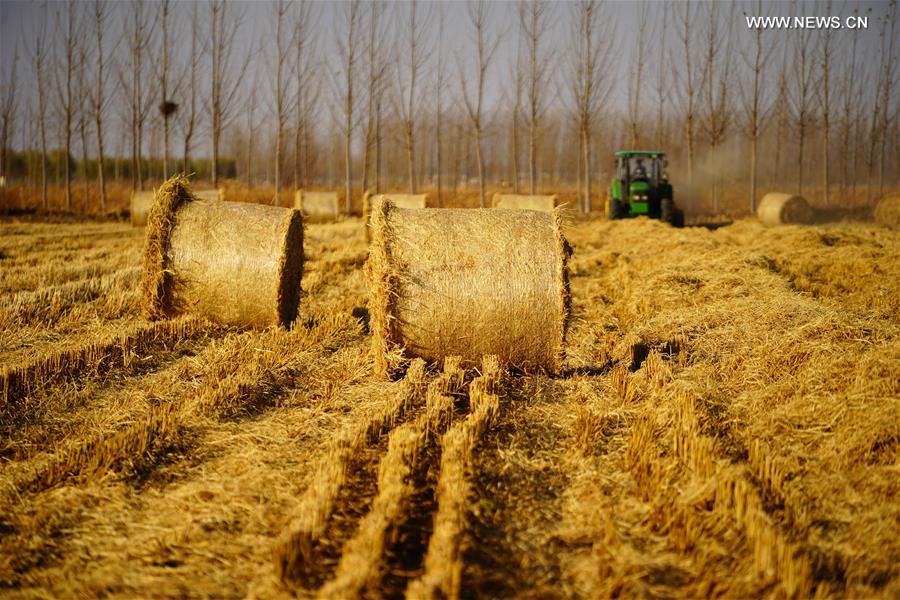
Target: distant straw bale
[(234, 263), (543, 203), (467, 282), (779, 209), (321, 205), (210, 195), (398, 200), (140, 207), (887, 212)]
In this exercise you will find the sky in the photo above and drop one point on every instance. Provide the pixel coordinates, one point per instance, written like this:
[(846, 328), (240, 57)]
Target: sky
[(20, 18)]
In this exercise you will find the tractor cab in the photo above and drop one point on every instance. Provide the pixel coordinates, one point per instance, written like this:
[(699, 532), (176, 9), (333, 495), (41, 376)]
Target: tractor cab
[(640, 187)]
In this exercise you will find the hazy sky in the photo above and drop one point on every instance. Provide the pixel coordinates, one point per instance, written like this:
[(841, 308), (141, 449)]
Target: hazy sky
[(20, 18)]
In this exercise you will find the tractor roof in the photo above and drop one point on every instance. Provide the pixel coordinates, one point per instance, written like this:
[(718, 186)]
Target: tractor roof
[(627, 153)]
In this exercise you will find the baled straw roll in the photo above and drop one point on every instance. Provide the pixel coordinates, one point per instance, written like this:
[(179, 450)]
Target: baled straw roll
[(317, 204), (234, 263), (544, 203), (468, 283), (887, 212), (778, 209), (140, 207)]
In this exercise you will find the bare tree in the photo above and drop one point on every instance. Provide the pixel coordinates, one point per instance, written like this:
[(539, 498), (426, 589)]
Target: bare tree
[(848, 122), (377, 69), (348, 51), (686, 16), (635, 76), (663, 79), (226, 75), (800, 96), (9, 101), (66, 89), (474, 99), (439, 81), (98, 98), (888, 80), (83, 116), (139, 32), (755, 58), (306, 91), (251, 125), (716, 83), (39, 59), (190, 117), (518, 89), (589, 60), (406, 100), (534, 19), (824, 96), (167, 107), (282, 47)]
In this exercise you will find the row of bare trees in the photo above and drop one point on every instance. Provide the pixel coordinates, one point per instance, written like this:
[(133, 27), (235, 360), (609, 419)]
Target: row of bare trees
[(415, 94)]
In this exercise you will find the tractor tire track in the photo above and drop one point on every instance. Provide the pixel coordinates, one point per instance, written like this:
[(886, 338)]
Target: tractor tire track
[(442, 576), (365, 566), (307, 540)]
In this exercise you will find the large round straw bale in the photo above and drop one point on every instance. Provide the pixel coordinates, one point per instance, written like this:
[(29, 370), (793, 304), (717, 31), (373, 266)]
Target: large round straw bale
[(887, 212), (210, 195), (140, 207), (544, 203), (323, 205), (468, 283), (234, 263), (777, 209)]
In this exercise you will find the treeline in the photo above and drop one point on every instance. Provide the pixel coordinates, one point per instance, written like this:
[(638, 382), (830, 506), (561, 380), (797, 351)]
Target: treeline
[(26, 167), (530, 95)]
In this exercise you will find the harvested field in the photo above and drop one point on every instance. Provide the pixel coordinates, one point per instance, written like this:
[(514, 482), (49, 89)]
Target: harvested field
[(725, 423)]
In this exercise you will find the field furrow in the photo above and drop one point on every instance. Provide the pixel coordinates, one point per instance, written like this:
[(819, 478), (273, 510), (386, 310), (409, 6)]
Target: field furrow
[(19, 383), (443, 561), (109, 296), (365, 560), (300, 545)]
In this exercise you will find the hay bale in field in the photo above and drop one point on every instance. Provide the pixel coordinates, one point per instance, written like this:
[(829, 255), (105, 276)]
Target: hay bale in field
[(210, 195), (543, 203), (778, 209), (140, 207), (323, 205), (467, 282), (398, 200), (887, 212), (234, 263), (407, 201)]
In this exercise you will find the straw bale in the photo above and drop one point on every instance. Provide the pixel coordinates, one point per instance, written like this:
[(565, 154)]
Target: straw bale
[(317, 204), (777, 209), (887, 212), (399, 200), (468, 282), (210, 195), (235, 263), (140, 207), (543, 203)]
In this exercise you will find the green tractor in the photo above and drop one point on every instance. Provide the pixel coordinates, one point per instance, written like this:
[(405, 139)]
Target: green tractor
[(641, 187)]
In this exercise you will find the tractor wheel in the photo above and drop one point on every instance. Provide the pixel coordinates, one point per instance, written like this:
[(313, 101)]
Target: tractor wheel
[(614, 209), (670, 214)]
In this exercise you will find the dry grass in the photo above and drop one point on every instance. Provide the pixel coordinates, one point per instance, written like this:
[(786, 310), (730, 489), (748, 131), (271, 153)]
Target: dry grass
[(725, 423)]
